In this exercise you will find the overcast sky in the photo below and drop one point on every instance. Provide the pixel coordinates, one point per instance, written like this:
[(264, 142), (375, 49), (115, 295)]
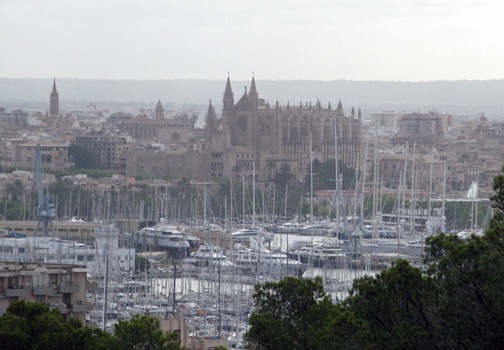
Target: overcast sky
[(401, 40)]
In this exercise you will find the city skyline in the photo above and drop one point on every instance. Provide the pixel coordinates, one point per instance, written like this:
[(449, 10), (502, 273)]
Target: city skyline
[(320, 40)]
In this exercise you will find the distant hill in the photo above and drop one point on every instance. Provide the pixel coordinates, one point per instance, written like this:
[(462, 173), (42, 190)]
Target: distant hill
[(457, 97)]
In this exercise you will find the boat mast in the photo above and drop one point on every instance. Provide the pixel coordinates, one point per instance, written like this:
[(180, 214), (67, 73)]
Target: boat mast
[(354, 220), (311, 188), (364, 174), (443, 218), (243, 201), (403, 193), (413, 197), (375, 185), (475, 200), (336, 200), (429, 228)]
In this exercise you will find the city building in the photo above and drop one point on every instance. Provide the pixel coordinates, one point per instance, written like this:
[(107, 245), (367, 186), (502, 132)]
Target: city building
[(62, 286), (276, 134), (106, 148), (388, 119), (54, 155)]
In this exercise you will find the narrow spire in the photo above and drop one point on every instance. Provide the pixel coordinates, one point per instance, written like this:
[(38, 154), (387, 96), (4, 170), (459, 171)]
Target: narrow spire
[(54, 102), (228, 91), (339, 109), (253, 90), (228, 100), (211, 109), (329, 106), (211, 122), (359, 114), (211, 116), (352, 112)]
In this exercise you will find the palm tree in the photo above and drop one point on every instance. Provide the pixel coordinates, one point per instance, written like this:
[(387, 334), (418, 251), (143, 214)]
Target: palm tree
[(15, 190)]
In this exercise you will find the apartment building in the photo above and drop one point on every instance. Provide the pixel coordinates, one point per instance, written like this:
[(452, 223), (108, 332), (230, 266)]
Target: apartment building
[(62, 286)]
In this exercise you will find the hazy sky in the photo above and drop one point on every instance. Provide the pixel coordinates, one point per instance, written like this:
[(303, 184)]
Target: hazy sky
[(405, 40)]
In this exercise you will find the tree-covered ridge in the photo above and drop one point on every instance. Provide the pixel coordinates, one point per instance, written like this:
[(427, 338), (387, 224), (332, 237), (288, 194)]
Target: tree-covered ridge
[(456, 303)]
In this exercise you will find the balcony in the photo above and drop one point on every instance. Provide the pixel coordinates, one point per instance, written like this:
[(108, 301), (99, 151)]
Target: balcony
[(81, 306), (60, 307), (44, 290), (69, 288), (17, 292)]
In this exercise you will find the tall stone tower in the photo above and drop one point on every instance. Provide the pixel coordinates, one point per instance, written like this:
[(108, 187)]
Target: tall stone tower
[(54, 102), (159, 110)]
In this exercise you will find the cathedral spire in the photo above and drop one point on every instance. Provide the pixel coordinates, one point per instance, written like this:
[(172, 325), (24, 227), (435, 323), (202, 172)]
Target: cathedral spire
[(211, 122), (253, 90), (359, 114), (228, 99), (253, 96), (54, 102), (339, 109), (211, 115)]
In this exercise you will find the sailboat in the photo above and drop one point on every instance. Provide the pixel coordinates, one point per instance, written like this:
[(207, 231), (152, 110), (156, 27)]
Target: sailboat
[(246, 233)]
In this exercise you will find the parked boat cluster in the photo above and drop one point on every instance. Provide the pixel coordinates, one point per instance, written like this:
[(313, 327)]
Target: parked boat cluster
[(208, 281)]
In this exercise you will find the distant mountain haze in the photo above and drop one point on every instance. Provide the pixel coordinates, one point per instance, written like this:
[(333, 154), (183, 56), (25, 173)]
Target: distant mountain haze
[(455, 97)]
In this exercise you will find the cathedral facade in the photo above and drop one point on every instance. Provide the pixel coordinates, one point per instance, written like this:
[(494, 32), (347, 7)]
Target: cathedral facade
[(274, 134)]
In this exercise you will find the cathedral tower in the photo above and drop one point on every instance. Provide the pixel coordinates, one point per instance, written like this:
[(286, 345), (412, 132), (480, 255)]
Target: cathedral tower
[(159, 110), (54, 102)]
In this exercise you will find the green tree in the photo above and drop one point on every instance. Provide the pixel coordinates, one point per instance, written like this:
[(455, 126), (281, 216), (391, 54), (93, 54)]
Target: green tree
[(470, 275), (295, 313), (498, 197), (141, 264), (283, 176), (82, 156), (325, 173), (15, 190), (285, 311), (34, 326), (398, 307), (143, 333)]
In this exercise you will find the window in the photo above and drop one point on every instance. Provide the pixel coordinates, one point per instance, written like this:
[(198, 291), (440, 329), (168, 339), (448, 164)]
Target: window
[(66, 279), (53, 279), (80, 257)]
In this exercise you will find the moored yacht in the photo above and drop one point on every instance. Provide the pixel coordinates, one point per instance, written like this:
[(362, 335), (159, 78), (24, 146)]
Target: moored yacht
[(288, 227), (165, 237), (245, 234), (321, 254), (318, 228), (209, 256), (259, 260)]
